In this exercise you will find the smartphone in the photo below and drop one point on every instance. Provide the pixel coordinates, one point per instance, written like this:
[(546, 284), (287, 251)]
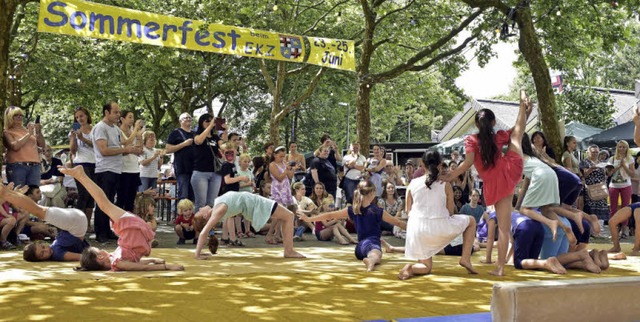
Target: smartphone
[(142, 123), (38, 119), (292, 163), (219, 121), (75, 126)]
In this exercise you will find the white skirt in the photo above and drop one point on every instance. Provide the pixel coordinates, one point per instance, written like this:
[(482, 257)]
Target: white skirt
[(427, 236)]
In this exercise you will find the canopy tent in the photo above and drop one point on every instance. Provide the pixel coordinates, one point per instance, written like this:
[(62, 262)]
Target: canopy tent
[(580, 131), (449, 146), (610, 137)]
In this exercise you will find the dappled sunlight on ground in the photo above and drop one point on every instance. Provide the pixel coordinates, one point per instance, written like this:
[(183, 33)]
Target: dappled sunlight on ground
[(255, 284)]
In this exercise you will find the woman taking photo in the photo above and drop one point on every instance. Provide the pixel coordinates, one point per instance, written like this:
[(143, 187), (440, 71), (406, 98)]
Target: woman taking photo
[(81, 149), (204, 180), (22, 143)]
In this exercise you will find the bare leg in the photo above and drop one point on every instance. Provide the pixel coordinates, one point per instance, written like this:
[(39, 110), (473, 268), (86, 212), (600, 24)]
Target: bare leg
[(7, 225), (114, 212), (344, 232), (503, 214), (286, 217), (620, 216), (391, 249), (604, 259), (576, 217), (491, 237), (270, 237), (231, 228), (338, 235), (23, 202), (595, 256), (467, 244), (518, 129), (373, 258), (552, 224), (89, 213), (179, 231), (423, 267), (22, 220), (636, 243)]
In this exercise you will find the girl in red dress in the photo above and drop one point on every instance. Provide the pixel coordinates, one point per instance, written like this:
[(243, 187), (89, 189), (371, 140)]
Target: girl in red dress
[(500, 172)]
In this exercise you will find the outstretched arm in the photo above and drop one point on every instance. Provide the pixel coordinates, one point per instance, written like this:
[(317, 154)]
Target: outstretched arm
[(114, 212), (338, 214), (394, 221), (636, 130), (216, 213), (462, 167)]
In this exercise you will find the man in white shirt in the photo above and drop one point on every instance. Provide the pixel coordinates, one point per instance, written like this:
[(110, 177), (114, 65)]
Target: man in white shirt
[(108, 151)]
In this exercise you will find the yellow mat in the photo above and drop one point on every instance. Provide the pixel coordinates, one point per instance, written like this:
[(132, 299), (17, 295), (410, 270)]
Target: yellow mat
[(255, 285)]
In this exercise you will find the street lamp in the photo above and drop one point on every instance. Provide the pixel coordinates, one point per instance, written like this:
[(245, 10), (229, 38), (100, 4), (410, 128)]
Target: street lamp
[(348, 119)]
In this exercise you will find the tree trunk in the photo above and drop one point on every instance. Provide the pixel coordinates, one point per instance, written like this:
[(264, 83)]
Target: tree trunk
[(365, 83), (363, 116), (529, 45), (6, 21)]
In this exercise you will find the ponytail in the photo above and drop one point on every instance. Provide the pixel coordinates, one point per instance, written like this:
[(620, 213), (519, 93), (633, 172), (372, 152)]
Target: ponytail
[(364, 189), (486, 138), (357, 201), (432, 160)]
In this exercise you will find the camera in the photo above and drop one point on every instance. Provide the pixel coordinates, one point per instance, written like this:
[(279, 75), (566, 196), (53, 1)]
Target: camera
[(292, 163)]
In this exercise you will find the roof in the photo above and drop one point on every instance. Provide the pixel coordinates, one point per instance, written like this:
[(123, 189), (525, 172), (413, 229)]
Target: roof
[(624, 103), (506, 113), (580, 131)]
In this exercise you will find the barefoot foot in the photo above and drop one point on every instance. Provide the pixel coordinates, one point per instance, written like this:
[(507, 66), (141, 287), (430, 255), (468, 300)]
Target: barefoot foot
[(498, 271), (553, 226), (553, 265), (595, 225), (467, 264), (293, 254), (406, 272), (604, 259), (614, 250), (595, 256)]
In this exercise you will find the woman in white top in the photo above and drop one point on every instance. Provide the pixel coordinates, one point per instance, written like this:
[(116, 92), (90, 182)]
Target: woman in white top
[(432, 224), (81, 149), (150, 162), (620, 185), (130, 177)]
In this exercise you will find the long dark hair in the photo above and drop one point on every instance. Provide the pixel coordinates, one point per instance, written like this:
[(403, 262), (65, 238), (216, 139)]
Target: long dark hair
[(526, 146), (488, 149), (201, 119), (432, 160), (539, 133), (567, 139)]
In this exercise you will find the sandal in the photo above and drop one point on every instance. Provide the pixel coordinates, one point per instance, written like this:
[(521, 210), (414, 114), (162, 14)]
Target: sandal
[(236, 243), (270, 241), (225, 242), (251, 235)]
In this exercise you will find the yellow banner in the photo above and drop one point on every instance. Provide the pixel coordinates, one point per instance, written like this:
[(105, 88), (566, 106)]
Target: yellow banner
[(80, 18)]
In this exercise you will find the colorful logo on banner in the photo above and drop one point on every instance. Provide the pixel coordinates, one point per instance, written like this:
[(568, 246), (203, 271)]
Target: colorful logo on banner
[(87, 19)]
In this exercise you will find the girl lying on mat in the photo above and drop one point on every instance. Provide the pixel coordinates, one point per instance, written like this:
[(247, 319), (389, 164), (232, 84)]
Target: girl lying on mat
[(135, 236), (367, 217), (71, 223), (252, 207)]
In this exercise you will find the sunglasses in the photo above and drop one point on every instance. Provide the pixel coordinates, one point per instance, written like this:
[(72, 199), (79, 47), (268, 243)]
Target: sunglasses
[(229, 153)]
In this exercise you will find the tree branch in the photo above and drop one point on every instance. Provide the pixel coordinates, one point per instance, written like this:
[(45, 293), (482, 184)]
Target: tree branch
[(394, 11), (445, 54), (267, 77), (307, 93), (427, 51), (315, 23), (380, 43), (298, 70)]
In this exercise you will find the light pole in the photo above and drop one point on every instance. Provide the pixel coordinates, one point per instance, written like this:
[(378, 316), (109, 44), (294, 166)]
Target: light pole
[(348, 120)]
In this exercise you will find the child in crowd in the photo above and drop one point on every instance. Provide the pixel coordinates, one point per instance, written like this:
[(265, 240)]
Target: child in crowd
[(244, 161), (304, 206), (184, 222), (145, 207), (135, 236), (458, 203), (327, 229), (500, 173), (72, 224), (432, 224), (7, 223), (253, 207), (231, 182), (150, 162), (367, 217), (34, 228), (473, 208)]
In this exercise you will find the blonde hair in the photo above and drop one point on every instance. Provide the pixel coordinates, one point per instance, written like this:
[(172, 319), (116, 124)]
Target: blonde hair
[(146, 135), (9, 113), (364, 189), (184, 204), (229, 146), (244, 157), (319, 149), (295, 187), (617, 155)]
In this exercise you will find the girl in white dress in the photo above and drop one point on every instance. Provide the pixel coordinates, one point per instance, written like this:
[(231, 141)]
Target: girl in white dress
[(432, 224)]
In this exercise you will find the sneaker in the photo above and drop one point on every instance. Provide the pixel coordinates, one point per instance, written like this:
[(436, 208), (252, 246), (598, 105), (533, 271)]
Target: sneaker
[(102, 239), (154, 243), (296, 238), (5, 245), (180, 241), (195, 241)]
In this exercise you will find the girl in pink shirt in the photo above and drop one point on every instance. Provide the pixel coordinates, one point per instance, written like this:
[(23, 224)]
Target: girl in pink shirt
[(135, 236)]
